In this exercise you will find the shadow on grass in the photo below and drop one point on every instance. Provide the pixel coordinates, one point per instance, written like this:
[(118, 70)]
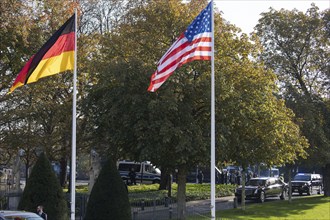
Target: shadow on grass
[(312, 207)]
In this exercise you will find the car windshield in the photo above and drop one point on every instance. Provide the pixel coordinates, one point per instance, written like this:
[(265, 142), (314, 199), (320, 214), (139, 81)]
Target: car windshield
[(256, 182), (302, 178)]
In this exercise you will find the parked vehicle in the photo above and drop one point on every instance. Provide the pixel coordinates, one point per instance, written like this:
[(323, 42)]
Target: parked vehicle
[(19, 215), (145, 171), (306, 183), (270, 172), (192, 176), (261, 188)]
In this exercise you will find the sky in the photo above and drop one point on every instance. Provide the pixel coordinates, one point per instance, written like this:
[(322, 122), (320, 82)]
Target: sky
[(246, 13)]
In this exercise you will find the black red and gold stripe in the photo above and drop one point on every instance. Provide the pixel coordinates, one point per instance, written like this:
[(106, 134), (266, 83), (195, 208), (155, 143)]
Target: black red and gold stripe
[(55, 56)]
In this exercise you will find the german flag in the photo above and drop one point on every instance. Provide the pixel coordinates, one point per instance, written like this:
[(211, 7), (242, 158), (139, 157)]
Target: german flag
[(55, 56)]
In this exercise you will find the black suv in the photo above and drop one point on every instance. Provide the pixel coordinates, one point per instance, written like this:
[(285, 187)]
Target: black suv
[(306, 183), (262, 187)]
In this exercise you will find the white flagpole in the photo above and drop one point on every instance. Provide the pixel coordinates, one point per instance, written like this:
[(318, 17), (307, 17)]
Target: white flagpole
[(74, 117), (212, 121)]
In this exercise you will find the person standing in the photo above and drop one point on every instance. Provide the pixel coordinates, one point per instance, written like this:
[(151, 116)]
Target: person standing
[(41, 213), (200, 177), (132, 176), (225, 177)]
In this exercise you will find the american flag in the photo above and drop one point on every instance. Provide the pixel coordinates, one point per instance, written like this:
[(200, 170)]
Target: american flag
[(194, 44)]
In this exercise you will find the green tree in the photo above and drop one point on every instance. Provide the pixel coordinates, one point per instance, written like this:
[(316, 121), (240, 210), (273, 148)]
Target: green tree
[(21, 37), (254, 125), (43, 188), (14, 27), (109, 197), (42, 109), (125, 114), (171, 127), (296, 47)]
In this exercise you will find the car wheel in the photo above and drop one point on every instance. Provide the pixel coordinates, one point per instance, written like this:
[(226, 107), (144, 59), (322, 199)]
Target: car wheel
[(309, 191), (262, 197)]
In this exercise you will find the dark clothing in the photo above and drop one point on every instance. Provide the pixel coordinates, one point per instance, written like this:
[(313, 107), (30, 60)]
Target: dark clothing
[(132, 176), (200, 177), (43, 215)]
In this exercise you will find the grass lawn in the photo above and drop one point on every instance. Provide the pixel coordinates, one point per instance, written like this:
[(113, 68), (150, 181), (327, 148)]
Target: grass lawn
[(308, 208)]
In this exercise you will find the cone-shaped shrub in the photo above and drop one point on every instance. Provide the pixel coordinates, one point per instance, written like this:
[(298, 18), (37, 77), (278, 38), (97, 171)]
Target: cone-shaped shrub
[(109, 198), (43, 188)]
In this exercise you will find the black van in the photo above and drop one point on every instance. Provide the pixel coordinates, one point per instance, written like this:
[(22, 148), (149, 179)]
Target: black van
[(307, 183)]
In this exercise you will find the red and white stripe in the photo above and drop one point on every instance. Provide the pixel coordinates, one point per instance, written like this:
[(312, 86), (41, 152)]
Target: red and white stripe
[(182, 51)]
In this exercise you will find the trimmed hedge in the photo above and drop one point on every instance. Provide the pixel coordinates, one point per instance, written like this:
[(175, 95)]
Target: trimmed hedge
[(43, 188), (108, 199)]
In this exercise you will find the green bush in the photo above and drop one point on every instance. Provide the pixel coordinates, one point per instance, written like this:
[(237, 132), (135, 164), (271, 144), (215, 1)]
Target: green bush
[(108, 199), (43, 188)]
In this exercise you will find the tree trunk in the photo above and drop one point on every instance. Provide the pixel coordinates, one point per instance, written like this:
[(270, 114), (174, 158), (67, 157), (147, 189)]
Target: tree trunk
[(290, 183), (164, 179), (63, 172), (27, 166), (181, 195), (169, 187), (95, 168), (326, 180), (16, 177), (243, 189), (294, 170)]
